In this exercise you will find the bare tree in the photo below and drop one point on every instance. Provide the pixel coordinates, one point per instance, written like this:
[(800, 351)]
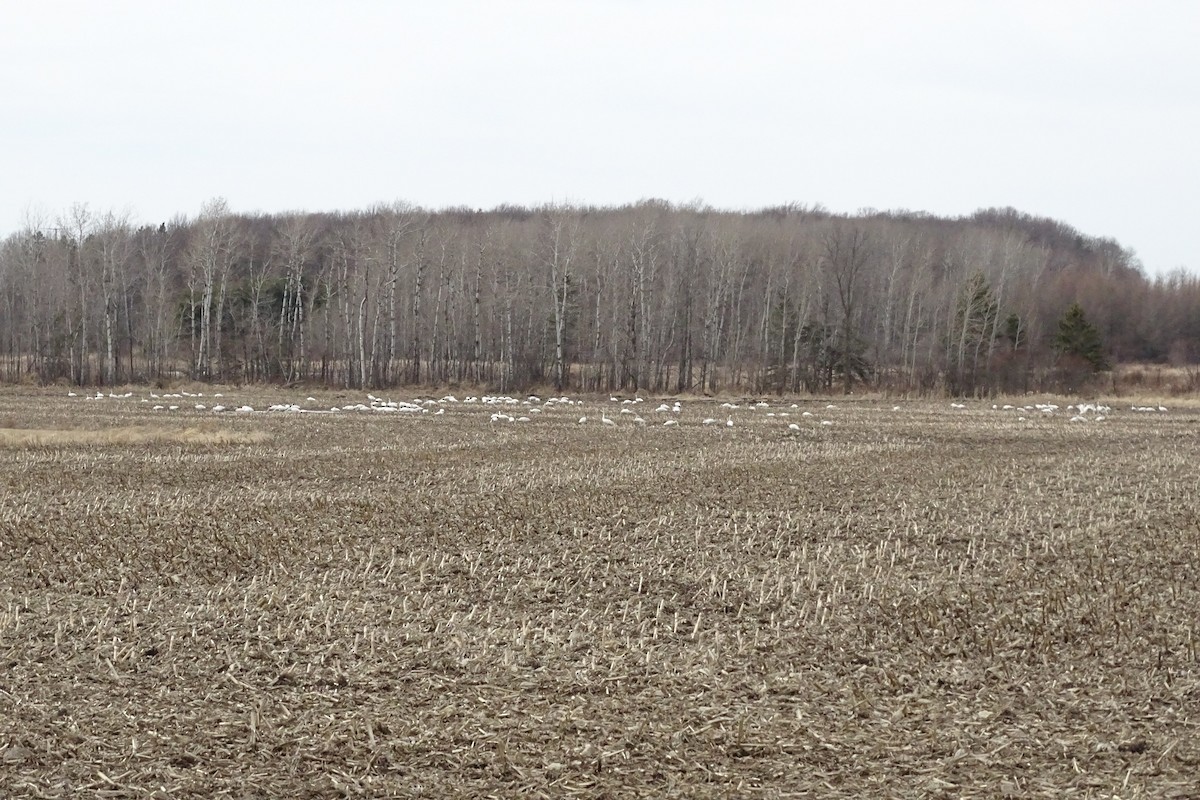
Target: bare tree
[(846, 256), (645, 297), (560, 241), (210, 256), (77, 227), (115, 246)]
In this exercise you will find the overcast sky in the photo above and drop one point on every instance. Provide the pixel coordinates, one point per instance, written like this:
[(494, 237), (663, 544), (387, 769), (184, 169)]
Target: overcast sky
[(1088, 112)]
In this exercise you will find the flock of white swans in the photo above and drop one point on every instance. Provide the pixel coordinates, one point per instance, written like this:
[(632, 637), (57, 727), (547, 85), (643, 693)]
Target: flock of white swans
[(627, 411)]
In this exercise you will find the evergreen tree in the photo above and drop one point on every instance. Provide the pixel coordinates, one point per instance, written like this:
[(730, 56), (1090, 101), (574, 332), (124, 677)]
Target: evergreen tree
[(1014, 331), (973, 336), (1078, 338)]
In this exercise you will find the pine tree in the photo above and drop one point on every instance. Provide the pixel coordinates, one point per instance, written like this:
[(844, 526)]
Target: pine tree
[(974, 334), (1014, 331), (1078, 338)]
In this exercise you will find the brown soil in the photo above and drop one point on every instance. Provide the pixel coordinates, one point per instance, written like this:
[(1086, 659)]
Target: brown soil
[(925, 602)]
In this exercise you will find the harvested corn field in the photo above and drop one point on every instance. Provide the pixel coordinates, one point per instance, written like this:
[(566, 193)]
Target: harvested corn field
[(349, 595)]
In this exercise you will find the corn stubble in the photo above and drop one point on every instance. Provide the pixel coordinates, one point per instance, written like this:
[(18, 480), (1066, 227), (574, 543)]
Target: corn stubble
[(917, 603)]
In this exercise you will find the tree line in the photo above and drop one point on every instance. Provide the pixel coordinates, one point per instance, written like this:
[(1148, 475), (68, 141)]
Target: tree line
[(648, 297)]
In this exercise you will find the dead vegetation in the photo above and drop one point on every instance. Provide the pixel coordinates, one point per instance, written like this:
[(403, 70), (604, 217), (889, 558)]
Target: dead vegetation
[(142, 434), (903, 603)]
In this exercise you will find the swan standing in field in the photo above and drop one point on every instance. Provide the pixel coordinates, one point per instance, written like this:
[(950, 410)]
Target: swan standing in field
[(605, 420)]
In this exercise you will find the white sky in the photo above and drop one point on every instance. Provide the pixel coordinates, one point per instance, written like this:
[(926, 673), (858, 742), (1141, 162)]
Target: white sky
[(1085, 111)]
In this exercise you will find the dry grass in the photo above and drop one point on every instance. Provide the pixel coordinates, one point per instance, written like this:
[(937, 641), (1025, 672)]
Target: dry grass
[(924, 602), (1180, 384), (141, 434)]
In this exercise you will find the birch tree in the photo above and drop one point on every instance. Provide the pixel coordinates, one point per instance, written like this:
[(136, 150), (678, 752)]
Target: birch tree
[(560, 241)]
